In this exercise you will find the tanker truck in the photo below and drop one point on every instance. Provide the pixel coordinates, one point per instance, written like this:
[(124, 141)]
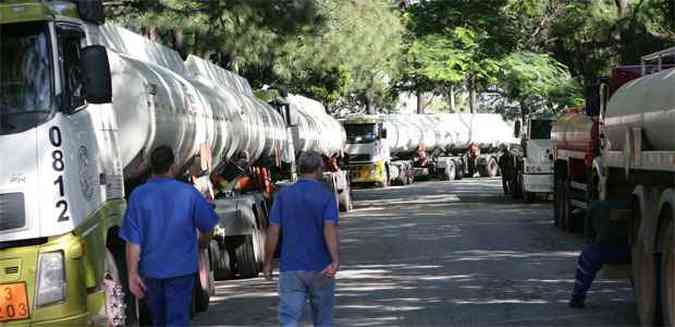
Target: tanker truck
[(636, 166), (534, 160), (576, 144), (399, 148), (83, 104)]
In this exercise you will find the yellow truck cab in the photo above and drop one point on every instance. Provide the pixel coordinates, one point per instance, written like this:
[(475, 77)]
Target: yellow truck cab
[(61, 187), (367, 150)]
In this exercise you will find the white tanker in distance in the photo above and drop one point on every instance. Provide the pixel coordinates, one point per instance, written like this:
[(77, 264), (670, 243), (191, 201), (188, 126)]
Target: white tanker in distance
[(83, 106), (399, 147)]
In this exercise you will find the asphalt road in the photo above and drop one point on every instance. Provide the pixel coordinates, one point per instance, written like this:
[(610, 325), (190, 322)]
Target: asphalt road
[(446, 254)]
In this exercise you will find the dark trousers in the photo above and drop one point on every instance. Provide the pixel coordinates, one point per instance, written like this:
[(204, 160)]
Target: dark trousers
[(591, 260), (170, 300), (507, 183)]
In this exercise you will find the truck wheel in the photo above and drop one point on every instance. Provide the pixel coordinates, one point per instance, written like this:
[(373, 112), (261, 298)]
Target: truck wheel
[(459, 173), (556, 199), (451, 171), (220, 260), (565, 208), (492, 168), (643, 274), (530, 197), (482, 170), (517, 192), (247, 267), (667, 278), (346, 201)]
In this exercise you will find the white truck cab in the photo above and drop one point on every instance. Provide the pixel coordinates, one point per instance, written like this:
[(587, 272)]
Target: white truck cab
[(535, 166)]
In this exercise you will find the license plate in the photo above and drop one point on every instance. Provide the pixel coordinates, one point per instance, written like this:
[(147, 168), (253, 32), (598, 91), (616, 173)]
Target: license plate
[(13, 302)]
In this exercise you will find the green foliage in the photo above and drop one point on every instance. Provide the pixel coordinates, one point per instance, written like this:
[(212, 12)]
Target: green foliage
[(327, 49)]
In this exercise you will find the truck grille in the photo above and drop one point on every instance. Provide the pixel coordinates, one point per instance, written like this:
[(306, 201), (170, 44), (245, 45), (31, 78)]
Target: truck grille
[(12, 211), (360, 157)]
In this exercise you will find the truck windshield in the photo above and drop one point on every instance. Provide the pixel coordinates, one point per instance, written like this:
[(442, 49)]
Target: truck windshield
[(540, 129), (361, 133), (25, 70)]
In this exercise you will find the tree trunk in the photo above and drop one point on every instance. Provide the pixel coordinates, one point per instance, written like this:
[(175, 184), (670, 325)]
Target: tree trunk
[(179, 43), (451, 98), (524, 111), (152, 33), (472, 94), (621, 7), (370, 109), (420, 102)]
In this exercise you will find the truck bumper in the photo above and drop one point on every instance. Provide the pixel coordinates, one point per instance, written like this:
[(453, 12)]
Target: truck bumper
[(77, 320), (368, 173), (540, 183), (20, 265)]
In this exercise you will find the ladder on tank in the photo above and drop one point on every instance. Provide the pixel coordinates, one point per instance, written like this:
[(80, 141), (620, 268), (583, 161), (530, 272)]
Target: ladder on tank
[(658, 57)]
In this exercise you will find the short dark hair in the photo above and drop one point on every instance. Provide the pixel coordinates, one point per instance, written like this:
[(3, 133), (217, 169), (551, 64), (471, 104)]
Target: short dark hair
[(310, 162), (161, 159)]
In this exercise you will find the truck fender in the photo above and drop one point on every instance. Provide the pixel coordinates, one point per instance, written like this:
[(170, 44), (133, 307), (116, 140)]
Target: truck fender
[(666, 201), (646, 197)]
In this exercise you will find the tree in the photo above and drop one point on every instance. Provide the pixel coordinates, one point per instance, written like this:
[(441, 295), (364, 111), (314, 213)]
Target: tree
[(326, 49)]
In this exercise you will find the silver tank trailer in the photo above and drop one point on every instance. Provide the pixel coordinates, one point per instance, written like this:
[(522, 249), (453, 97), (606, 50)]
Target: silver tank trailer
[(254, 126), (647, 103), (159, 100), (452, 131), (317, 130)]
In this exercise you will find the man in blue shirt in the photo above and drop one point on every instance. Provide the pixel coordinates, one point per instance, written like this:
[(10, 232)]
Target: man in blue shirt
[(306, 214), (160, 227)]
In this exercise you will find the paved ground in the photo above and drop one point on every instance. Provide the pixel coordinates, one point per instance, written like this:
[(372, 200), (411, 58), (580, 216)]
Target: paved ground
[(446, 254)]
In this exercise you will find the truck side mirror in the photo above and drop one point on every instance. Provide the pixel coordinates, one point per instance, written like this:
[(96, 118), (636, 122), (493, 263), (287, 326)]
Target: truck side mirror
[(383, 133), (96, 76), (91, 11), (516, 129)]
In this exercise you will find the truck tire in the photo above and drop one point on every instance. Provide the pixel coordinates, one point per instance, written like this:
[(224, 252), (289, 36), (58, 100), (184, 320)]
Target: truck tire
[(492, 168), (517, 192), (346, 201), (667, 273), (450, 171), (459, 174), (247, 267), (529, 197), (565, 216), (556, 198), (220, 261), (482, 170), (643, 265)]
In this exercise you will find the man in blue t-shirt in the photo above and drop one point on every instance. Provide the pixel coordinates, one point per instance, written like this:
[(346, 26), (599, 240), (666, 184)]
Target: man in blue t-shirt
[(160, 227), (306, 215)]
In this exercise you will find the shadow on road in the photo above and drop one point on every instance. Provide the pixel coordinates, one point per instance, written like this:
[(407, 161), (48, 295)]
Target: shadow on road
[(444, 254)]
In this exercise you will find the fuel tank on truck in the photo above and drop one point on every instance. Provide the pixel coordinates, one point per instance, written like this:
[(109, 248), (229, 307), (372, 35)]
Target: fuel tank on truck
[(253, 126), (647, 103), (573, 131), (155, 106), (317, 130), (454, 131), (158, 99)]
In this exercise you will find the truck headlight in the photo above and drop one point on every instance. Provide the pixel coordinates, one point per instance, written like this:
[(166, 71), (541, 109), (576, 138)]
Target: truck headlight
[(51, 278)]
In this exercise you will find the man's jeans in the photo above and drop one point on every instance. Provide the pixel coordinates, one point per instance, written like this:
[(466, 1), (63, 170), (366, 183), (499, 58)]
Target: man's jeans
[(169, 300), (296, 287)]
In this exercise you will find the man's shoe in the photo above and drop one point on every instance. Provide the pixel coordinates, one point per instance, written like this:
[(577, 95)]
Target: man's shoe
[(577, 303)]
